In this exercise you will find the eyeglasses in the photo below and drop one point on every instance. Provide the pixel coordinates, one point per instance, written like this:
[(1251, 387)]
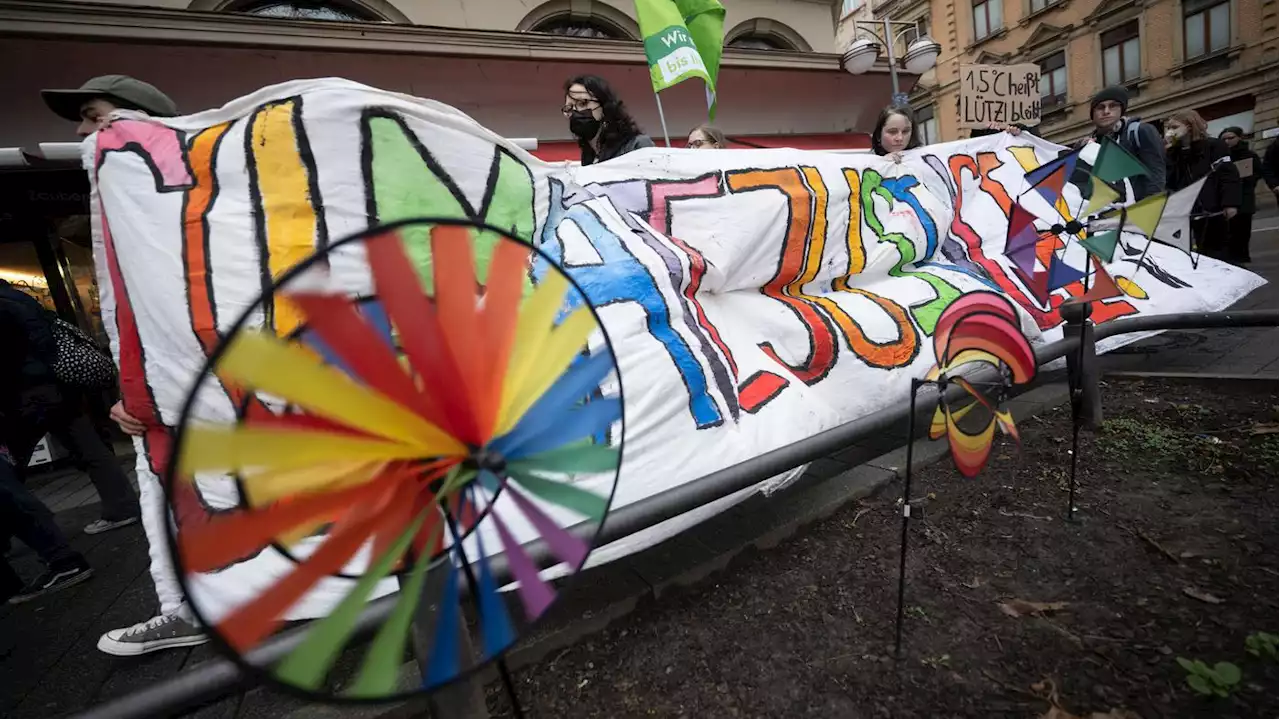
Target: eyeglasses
[(695, 144), (579, 105)]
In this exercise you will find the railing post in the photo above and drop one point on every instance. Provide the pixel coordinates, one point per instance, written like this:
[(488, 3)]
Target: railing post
[(1082, 362), (464, 699)]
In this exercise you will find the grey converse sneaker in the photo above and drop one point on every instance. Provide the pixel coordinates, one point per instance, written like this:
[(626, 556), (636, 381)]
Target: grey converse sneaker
[(98, 526), (166, 631)]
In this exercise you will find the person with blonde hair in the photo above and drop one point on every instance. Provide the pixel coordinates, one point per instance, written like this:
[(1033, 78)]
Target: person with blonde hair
[(1190, 154), (706, 137)]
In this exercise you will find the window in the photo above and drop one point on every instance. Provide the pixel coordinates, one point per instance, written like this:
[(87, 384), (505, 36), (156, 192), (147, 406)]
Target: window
[(578, 28), (1053, 80), (987, 18), (919, 29), (756, 42), (848, 7), (1121, 54), (926, 126), (300, 10), (1206, 27), (1038, 5)]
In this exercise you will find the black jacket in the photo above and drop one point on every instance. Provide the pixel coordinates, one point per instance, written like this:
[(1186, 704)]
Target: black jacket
[(1143, 141), (1271, 166), (1206, 156), (1248, 185), (610, 151), (27, 326)]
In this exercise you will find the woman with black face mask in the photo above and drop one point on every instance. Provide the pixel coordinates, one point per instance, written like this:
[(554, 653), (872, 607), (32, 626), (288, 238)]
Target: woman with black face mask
[(599, 120)]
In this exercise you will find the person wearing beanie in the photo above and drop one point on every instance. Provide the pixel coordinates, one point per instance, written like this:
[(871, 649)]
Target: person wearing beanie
[(1241, 226), (1141, 139), (92, 106)]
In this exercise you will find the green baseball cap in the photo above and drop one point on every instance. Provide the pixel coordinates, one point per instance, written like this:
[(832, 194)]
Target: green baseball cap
[(123, 90)]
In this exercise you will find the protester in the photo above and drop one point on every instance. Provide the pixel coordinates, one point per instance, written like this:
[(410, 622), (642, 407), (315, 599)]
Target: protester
[(1271, 167), (1191, 156), (1141, 139), (706, 137), (894, 133), (600, 122), (43, 404), (1241, 226), (22, 515), (93, 105)]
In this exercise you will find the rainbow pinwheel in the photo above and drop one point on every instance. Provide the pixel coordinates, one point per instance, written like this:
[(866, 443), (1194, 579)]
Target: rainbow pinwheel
[(411, 434), (1096, 225), (979, 327)]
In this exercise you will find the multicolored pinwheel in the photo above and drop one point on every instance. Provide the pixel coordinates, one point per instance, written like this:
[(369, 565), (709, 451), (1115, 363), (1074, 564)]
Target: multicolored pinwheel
[(404, 437), (1096, 225), (977, 327)]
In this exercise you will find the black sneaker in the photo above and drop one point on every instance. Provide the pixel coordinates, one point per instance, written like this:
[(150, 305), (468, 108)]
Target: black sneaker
[(52, 581)]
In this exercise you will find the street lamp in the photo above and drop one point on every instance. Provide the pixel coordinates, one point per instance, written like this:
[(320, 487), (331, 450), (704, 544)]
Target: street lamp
[(921, 55)]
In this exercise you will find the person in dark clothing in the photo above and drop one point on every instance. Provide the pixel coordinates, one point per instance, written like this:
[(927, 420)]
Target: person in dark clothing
[(600, 122), (22, 515), (1141, 139), (1241, 226), (1271, 166), (1192, 155), (38, 404)]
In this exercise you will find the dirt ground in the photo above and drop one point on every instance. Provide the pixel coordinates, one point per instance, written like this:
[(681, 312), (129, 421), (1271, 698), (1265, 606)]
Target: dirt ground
[(1174, 554)]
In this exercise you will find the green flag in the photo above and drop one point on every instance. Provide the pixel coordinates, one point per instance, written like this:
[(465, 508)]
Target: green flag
[(682, 39), (1114, 163)]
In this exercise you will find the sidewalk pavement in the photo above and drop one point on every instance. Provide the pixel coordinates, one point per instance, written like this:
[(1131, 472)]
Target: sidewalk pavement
[(51, 665)]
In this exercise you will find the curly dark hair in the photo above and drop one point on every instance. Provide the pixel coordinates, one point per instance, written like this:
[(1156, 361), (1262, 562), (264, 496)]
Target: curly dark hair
[(887, 113), (617, 124)]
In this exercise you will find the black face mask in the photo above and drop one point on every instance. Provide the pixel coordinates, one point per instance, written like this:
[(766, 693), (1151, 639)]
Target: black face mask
[(583, 124)]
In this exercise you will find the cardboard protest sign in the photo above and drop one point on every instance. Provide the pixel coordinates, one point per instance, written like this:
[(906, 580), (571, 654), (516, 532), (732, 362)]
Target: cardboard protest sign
[(1006, 94), (753, 298)]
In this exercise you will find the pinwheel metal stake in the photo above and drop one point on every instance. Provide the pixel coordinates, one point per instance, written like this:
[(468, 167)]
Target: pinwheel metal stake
[(977, 328), (1097, 227), (410, 433)]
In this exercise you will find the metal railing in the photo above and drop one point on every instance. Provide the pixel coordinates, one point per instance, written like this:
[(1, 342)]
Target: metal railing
[(213, 680)]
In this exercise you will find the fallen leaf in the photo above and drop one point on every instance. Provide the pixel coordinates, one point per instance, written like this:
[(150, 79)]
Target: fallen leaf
[(1021, 607), (1265, 429), (1192, 553), (1201, 595), (972, 585)]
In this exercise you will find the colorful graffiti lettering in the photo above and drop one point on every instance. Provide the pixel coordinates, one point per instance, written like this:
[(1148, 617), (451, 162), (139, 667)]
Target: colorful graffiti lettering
[(619, 277)]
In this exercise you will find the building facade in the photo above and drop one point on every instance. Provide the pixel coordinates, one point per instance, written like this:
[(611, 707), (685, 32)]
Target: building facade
[(1218, 57)]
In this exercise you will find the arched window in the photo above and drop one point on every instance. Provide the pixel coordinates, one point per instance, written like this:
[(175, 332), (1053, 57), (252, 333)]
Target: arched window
[(757, 42), (765, 34), (580, 18), (303, 10), (571, 27)]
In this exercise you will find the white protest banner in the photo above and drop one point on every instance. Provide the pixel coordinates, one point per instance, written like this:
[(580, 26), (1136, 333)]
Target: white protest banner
[(753, 297), (1006, 94)]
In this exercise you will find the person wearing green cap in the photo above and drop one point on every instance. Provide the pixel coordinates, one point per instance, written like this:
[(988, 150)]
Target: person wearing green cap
[(91, 105)]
